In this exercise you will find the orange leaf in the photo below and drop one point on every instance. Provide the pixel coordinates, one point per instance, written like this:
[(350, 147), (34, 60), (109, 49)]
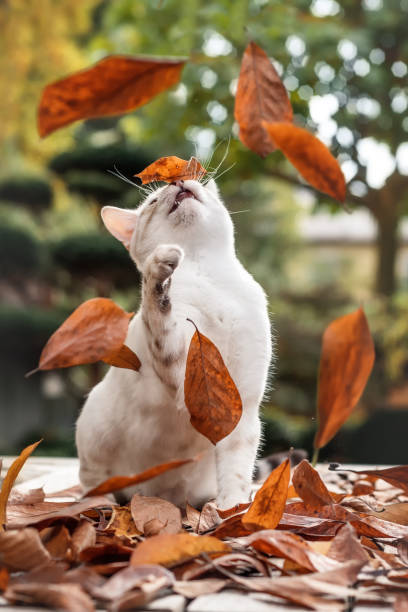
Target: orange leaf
[(310, 157), (269, 502), (397, 476), (10, 478), (123, 358), (261, 96), (115, 483), (310, 487), (210, 394), (172, 549), (172, 168), (345, 365), (94, 331), (115, 85)]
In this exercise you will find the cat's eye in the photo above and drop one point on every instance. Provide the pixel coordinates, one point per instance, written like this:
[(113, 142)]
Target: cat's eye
[(153, 201)]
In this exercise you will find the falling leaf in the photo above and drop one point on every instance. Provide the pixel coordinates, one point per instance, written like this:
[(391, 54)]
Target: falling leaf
[(95, 331), (115, 85), (10, 478), (22, 550), (310, 157), (144, 509), (269, 502), (346, 362), (310, 487), (261, 96), (169, 169), (172, 549), (116, 483), (70, 597), (210, 394)]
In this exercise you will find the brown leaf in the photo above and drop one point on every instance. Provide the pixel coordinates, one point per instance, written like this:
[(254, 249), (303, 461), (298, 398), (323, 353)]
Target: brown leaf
[(95, 331), (401, 602), (122, 523), (210, 394), (115, 483), (153, 527), (310, 157), (48, 512), (397, 476), (115, 85), (172, 549), (192, 518), (395, 513), (10, 478), (261, 96), (134, 577), (231, 527), (346, 362), (169, 169), (310, 487), (4, 578), (267, 508), (237, 509), (33, 496), (58, 542), (68, 597), (124, 358), (144, 509), (22, 550), (83, 537), (345, 546), (209, 518)]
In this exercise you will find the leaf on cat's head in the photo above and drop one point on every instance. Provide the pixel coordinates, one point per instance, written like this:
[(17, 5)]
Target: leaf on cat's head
[(210, 394), (169, 169), (96, 330), (115, 85)]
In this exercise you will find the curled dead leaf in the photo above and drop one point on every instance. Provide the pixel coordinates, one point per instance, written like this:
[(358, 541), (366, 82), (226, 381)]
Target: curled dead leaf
[(169, 169), (210, 394), (310, 487), (22, 550), (115, 85), (146, 509), (70, 597)]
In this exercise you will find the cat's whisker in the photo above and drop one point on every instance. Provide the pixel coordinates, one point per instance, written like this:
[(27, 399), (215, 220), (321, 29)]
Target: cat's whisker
[(236, 212)]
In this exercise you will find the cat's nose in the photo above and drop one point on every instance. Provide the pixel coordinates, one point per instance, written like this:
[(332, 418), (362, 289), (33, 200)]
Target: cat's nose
[(179, 183)]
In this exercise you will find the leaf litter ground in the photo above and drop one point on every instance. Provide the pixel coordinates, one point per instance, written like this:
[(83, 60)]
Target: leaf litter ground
[(341, 538)]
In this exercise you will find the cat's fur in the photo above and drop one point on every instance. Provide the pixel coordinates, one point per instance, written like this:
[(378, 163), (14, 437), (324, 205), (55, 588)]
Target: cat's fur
[(134, 420)]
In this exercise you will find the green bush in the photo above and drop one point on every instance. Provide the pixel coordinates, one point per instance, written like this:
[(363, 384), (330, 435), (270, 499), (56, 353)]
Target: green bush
[(106, 189), (20, 252), (30, 191)]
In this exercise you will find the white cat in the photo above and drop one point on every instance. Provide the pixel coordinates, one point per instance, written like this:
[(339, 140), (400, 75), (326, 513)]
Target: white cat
[(182, 240)]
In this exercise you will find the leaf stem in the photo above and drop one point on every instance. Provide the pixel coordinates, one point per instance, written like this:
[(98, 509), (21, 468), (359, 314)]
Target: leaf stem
[(315, 457)]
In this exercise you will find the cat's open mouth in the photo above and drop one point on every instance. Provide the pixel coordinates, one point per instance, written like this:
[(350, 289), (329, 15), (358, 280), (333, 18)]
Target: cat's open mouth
[(182, 195)]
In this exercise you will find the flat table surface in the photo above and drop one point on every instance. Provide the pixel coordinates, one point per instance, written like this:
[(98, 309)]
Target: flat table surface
[(58, 473)]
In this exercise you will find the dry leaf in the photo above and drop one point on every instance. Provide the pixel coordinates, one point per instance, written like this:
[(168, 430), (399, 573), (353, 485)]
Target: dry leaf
[(172, 549), (115, 85), (122, 523), (237, 509), (346, 362), (210, 394), (261, 96), (346, 546), (22, 550), (397, 476), (70, 597), (116, 483), (169, 169), (267, 508), (144, 509), (57, 541), (83, 537), (194, 588), (310, 487), (310, 157), (10, 479), (134, 577), (395, 513), (95, 331)]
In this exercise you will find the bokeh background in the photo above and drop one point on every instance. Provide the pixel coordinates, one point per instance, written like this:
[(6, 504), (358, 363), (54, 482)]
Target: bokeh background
[(344, 64)]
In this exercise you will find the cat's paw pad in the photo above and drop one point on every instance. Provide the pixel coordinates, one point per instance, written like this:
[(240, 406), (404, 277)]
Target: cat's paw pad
[(165, 259)]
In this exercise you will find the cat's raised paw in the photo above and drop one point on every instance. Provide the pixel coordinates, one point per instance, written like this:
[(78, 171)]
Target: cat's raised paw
[(164, 260)]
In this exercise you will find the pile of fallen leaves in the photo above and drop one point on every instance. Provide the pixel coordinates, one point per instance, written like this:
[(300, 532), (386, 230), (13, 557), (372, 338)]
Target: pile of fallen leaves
[(299, 540)]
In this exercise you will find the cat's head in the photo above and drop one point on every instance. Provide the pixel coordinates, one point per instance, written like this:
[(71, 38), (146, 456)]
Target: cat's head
[(186, 213)]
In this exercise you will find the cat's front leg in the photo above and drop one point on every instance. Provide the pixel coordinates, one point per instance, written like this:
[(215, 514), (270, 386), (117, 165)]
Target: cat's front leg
[(235, 461), (165, 339)]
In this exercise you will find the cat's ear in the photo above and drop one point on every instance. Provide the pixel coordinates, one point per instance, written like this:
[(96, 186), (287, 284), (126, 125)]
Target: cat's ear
[(120, 222), (212, 186)]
